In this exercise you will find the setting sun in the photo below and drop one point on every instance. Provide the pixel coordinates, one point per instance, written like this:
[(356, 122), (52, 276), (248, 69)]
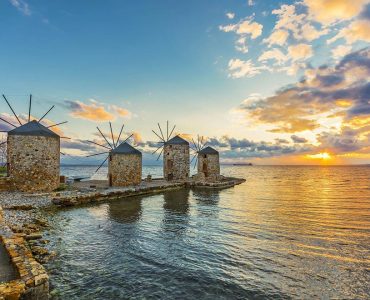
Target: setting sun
[(323, 156)]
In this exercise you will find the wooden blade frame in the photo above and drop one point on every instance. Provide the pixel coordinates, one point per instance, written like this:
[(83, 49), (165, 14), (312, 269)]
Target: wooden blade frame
[(11, 108)]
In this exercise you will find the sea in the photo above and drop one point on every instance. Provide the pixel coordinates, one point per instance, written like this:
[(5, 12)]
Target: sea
[(288, 232)]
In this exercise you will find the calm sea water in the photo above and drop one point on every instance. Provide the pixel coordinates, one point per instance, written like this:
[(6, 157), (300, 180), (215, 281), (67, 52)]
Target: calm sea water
[(288, 232)]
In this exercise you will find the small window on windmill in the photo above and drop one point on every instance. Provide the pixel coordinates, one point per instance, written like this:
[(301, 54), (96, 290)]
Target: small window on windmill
[(205, 155)]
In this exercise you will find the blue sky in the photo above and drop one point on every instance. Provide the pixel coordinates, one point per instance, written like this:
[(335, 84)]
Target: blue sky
[(160, 60)]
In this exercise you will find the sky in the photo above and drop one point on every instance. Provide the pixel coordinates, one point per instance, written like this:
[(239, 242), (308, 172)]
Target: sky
[(267, 82)]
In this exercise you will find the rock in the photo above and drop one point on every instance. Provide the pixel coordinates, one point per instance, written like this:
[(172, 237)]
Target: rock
[(34, 236), (20, 207)]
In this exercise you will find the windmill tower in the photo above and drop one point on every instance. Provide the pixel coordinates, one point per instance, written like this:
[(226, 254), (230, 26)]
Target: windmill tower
[(33, 154), (124, 161), (207, 161), (175, 151)]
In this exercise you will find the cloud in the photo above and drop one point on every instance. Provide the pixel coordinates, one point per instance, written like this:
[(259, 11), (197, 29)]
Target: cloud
[(241, 45), (250, 2), (303, 106), (273, 54), (300, 51), (278, 37), (239, 68), (358, 30), (122, 112), (246, 28), (95, 111), (365, 14), (330, 11), (254, 29), (298, 140), (341, 51), (233, 148), (22, 6), (230, 15)]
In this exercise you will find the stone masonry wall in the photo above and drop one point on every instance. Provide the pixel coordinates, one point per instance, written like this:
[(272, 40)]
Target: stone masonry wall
[(176, 165), (209, 167), (34, 163), (125, 169)]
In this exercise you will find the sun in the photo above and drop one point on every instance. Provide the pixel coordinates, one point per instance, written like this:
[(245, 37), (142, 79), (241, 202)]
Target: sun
[(322, 156)]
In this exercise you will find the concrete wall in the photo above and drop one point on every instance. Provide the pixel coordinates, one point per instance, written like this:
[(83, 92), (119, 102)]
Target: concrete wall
[(208, 167), (176, 165), (33, 163), (124, 169)]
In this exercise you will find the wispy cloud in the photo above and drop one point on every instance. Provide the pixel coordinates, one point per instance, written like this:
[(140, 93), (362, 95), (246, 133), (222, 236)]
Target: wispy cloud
[(22, 6), (95, 110)]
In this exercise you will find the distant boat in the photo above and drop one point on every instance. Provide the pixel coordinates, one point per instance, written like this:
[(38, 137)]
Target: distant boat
[(243, 164)]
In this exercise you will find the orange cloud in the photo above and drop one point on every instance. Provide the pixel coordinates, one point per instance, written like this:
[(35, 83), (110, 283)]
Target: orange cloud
[(96, 111), (330, 11)]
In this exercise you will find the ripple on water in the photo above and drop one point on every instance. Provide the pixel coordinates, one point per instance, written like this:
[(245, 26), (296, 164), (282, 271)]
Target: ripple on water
[(287, 232)]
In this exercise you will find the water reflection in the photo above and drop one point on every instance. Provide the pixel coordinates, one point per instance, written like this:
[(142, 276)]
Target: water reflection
[(176, 210), (126, 211), (286, 233), (207, 201)]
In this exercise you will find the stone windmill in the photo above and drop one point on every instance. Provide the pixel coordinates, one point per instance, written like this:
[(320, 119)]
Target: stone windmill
[(124, 161), (207, 161), (33, 154), (176, 157)]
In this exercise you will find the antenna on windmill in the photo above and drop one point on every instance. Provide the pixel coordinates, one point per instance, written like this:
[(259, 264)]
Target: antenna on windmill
[(196, 147), (162, 139), (110, 145)]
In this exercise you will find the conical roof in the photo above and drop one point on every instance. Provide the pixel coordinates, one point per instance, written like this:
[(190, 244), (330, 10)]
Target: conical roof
[(33, 128), (125, 148), (208, 150), (177, 140)]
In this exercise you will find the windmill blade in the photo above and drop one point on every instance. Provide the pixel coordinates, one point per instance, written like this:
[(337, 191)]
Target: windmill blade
[(201, 143), (104, 138), (101, 164), (196, 161), (65, 137), (57, 124), (6, 100), (8, 122), (98, 144), (97, 154), (160, 154), (119, 136), (167, 130), (198, 143), (158, 149), (195, 145), (3, 143), (171, 131), (111, 132), (62, 153), (127, 139), (192, 147), (46, 113), (29, 109), (158, 136), (193, 158), (160, 129)]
